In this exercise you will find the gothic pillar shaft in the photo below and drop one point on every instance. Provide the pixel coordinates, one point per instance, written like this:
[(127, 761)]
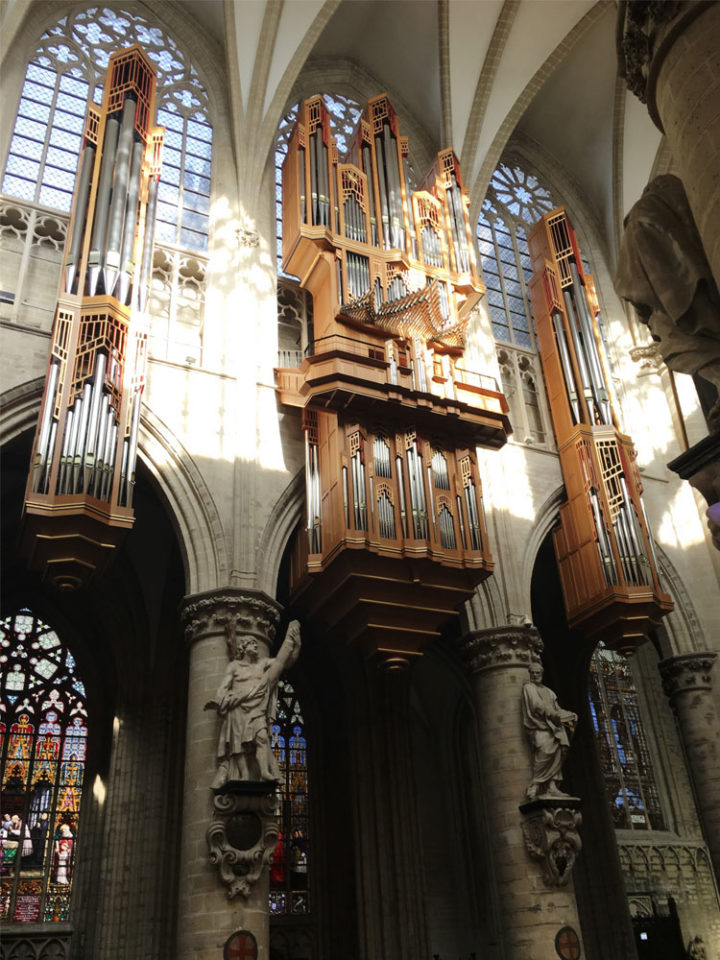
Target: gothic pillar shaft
[(672, 61), (207, 915), (531, 912), (688, 685), (390, 868)]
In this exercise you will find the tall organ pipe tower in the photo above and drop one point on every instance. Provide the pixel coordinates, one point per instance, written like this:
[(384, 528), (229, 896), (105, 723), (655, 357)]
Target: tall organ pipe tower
[(604, 548), (78, 501)]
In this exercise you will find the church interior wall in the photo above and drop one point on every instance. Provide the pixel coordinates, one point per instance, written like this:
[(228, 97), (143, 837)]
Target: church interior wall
[(219, 498)]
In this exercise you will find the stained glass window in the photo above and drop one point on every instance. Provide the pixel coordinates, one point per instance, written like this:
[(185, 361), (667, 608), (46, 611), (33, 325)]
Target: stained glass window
[(345, 114), (289, 888), (67, 69), (43, 746), (626, 763)]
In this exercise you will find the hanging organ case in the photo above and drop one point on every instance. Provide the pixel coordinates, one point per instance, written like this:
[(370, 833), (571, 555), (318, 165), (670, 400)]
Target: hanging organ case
[(78, 503), (605, 552), (394, 538)]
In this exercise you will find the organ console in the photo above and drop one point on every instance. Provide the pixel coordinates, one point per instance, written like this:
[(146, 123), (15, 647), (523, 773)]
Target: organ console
[(78, 503), (394, 537), (605, 551)]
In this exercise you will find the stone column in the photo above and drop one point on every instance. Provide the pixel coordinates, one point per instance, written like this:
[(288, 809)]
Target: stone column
[(210, 909), (535, 910), (391, 907), (670, 55), (687, 683)]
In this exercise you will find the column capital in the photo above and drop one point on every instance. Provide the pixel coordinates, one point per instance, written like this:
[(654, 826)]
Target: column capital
[(252, 612), (687, 673), (511, 646), (645, 31)]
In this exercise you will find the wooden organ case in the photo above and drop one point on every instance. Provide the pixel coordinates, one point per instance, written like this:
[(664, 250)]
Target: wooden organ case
[(605, 553), (395, 538), (78, 501)]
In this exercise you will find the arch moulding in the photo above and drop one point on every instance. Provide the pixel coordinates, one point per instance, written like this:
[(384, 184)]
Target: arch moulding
[(191, 507)]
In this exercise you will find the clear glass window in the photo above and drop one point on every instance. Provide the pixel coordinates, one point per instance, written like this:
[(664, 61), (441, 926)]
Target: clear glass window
[(67, 70)]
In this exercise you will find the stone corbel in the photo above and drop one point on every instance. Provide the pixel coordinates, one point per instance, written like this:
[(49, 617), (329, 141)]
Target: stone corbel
[(243, 834), (550, 829)]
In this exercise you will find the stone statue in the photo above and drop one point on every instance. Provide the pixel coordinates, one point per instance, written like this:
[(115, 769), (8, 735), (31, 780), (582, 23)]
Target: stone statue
[(664, 273), (547, 727), (696, 949), (246, 703)]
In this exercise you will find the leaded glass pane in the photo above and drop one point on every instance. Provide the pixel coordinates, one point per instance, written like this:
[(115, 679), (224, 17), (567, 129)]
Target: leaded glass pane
[(23, 147), (289, 887), (625, 760), (80, 46), (33, 111), (42, 763)]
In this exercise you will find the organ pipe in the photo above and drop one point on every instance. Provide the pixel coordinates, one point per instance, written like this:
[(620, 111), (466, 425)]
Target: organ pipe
[(95, 378), (609, 576), (390, 267)]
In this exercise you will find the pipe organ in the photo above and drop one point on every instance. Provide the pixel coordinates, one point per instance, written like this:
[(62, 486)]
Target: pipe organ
[(605, 552), (394, 537), (78, 503)]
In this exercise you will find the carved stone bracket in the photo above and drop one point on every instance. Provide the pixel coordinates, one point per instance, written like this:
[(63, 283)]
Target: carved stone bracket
[(243, 834), (512, 646), (550, 828), (252, 613), (687, 673)]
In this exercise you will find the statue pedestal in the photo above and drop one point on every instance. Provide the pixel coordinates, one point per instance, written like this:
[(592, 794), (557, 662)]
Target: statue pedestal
[(243, 833), (550, 830), (700, 466)]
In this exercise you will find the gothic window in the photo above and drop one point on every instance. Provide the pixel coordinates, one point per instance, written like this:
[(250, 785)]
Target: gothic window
[(345, 114), (514, 201), (43, 744), (624, 756), (68, 69), (289, 888)]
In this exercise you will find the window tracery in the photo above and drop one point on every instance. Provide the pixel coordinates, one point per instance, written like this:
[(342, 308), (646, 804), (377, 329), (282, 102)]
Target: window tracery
[(625, 759), (289, 887), (67, 70), (43, 747)]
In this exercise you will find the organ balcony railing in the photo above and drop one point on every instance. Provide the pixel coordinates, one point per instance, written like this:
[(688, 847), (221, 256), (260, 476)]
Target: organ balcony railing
[(394, 538), (604, 548), (78, 502)]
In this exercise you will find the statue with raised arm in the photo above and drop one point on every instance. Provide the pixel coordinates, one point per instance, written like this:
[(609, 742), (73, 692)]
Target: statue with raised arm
[(547, 726), (246, 702)]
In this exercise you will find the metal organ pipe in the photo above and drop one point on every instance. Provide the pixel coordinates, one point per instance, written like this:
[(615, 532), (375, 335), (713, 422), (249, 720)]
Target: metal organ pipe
[(132, 448), (148, 239), (579, 351), (324, 195), (397, 233), (102, 203), (600, 387), (111, 454), (367, 167), (87, 162), (118, 203), (570, 385), (128, 242), (77, 452), (42, 448), (65, 453), (98, 384), (383, 187), (314, 177)]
